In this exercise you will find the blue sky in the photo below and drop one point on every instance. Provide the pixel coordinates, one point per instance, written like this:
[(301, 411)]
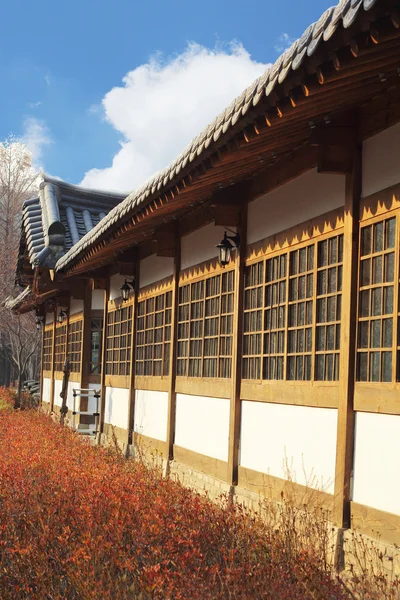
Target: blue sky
[(187, 60)]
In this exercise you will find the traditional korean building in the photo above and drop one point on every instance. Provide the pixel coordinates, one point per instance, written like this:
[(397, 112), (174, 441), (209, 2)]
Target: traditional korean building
[(239, 311)]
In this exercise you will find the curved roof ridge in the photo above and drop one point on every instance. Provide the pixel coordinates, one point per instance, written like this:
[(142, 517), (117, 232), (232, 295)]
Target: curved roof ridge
[(345, 13)]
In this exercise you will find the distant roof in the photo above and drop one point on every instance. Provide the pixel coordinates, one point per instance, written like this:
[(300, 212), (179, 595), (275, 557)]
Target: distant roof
[(344, 13), (60, 217)]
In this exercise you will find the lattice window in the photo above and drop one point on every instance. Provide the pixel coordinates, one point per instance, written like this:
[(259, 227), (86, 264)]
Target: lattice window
[(329, 308), (292, 311), (153, 335), (60, 347), (119, 341), (376, 302), (205, 327), (47, 349), (75, 345), (96, 344)]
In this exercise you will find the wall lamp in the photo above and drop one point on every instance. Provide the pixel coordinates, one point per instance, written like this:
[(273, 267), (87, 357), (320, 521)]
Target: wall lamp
[(126, 288), (39, 321), (225, 248), (62, 315)]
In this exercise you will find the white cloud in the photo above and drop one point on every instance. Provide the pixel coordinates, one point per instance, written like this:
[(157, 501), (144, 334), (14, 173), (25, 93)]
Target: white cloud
[(163, 104), (47, 79), (35, 135), (283, 42), (34, 104)]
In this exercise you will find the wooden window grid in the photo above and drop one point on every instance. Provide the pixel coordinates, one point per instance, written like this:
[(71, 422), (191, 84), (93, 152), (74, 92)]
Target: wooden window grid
[(119, 341), (96, 344), (153, 335), (75, 335), (47, 349), (60, 349), (292, 311), (377, 302), (205, 327)]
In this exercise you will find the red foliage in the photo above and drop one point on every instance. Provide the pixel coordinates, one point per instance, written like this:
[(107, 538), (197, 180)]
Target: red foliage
[(77, 522)]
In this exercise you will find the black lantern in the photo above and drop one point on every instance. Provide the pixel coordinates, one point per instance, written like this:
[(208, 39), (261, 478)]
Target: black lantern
[(126, 288), (62, 315), (39, 321), (225, 248)]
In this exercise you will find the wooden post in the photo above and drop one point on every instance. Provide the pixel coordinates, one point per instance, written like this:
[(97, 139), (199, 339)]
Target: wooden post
[(236, 375), (132, 391), (345, 427), (103, 363), (53, 352), (85, 353), (173, 351)]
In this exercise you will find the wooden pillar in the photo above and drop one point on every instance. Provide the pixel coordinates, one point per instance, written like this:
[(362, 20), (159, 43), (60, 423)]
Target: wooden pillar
[(173, 352), (132, 391), (53, 352), (345, 427), (86, 334), (103, 362), (41, 363), (236, 375)]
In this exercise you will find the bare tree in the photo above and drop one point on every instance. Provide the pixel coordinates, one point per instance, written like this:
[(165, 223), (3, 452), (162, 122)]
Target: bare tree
[(18, 181)]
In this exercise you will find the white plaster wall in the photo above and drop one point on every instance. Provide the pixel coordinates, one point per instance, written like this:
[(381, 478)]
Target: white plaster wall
[(116, 281), (49, 317), (46, 389), (151, 414), (278, 437), (376, 480), (57, 391), (117, 407), (76, 306), (199, 245), (304, 198), (98, 297), (153, 268), (380, 161), (202, 425)]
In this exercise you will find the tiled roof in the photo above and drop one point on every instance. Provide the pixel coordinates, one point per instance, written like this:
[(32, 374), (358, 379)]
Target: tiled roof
[(60, 217), (344, 13)]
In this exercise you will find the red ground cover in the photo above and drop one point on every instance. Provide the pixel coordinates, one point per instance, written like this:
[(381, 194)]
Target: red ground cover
[(79, 522)]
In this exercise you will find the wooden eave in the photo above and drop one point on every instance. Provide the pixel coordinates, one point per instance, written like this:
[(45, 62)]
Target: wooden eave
[(352, 71)]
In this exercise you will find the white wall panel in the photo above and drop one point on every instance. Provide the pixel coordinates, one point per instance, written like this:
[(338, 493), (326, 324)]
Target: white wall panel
[(308, 196), (57, 391), (199, 245), (46, 389), (151, 414), (116, 407), (275, 437), (381, 162), (76, 306), (116, 281), (98, 297), (376, 462), (154, 268), (49, 317), (202, 425)]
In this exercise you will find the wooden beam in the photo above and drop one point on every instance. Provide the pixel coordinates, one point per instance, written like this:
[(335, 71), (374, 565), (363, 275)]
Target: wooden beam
[(334, 160), (333, 136), (165, 241), (235, 402), (227, 215), (174, 348), (345, 427)]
